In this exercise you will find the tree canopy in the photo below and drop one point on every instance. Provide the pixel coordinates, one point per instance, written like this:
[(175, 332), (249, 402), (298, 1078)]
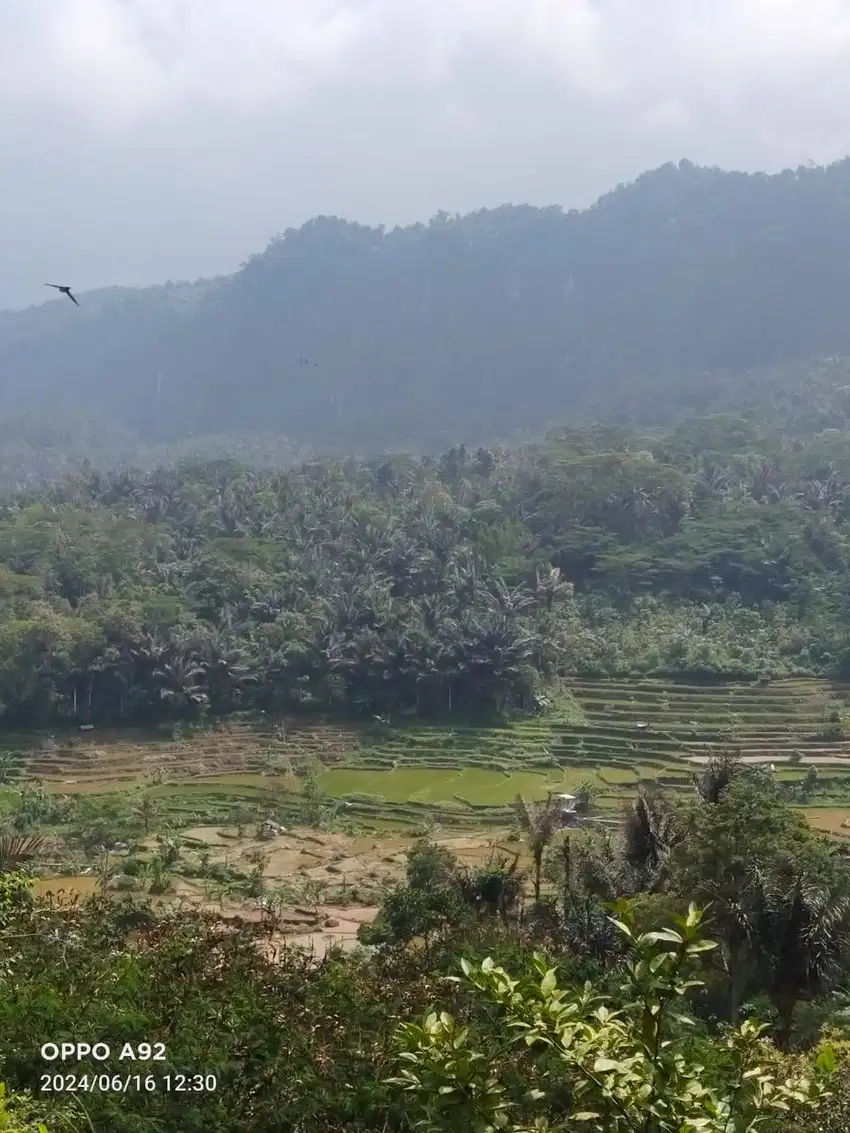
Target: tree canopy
[(468, 581)]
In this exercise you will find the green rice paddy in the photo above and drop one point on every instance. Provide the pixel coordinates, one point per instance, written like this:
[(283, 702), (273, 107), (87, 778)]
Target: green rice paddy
[(611, 735), (429, 785)]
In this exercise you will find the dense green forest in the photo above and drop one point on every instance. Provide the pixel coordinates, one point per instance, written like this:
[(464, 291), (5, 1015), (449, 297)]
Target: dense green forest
[(475, 328), (465, 582)]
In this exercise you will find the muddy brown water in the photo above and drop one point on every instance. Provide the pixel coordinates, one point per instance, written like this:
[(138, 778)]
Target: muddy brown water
[(82, 884)]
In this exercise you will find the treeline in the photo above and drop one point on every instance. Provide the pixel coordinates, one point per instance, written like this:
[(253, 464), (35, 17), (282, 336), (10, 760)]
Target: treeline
[(465, 582)]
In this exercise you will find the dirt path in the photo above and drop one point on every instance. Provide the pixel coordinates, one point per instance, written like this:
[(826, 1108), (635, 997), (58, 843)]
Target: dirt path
[(821, 760)]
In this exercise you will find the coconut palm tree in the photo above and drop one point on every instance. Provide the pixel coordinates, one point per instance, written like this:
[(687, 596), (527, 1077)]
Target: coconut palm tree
[(800, 932), (650, 833), (180, 681), (145, 809), (549, 586), (538, 823), (718, 773)]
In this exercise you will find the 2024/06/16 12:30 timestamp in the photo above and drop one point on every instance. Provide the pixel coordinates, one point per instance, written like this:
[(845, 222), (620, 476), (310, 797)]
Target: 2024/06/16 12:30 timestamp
[(128, 1083)]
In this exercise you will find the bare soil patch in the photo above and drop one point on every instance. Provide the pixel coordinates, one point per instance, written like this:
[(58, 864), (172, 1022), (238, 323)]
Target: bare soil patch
[(835, 822)]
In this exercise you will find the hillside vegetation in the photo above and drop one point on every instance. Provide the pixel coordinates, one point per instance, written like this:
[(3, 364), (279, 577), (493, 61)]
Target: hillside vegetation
[(461, 584), (252, 1035), (287, 678), (477, 328)]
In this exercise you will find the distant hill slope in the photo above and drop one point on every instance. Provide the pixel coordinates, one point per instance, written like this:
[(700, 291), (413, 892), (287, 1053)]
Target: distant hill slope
[(495, 324), (38, 449)]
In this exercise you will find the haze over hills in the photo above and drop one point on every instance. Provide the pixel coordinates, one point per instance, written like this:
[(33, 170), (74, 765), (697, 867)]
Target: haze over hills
[(498, 324)]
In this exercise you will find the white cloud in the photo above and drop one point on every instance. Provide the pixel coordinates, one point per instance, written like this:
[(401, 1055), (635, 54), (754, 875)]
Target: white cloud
[(114, 62), (118, 59), (172, 137)]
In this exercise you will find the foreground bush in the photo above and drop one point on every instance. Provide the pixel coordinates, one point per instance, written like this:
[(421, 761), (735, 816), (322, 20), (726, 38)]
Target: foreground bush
[(598, 1065)]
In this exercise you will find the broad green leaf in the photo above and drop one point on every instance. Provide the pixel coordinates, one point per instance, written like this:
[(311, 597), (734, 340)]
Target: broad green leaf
[(624, 928), (603, 1064), (549, 982), (825, 1061), (663, 934)]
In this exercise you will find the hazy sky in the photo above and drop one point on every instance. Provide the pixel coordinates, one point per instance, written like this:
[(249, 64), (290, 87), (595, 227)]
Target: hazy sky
[(143, 140)]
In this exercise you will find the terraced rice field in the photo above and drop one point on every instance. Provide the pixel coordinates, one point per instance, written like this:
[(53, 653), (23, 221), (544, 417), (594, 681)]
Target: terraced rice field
[(611, 734), (832, 821), (773, 723), (112, 760)]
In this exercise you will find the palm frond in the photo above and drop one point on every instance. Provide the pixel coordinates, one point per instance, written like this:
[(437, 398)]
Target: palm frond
[(17, 849)]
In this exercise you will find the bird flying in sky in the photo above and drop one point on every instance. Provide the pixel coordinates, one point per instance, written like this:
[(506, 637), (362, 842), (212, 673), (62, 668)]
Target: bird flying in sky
[(64, 290)]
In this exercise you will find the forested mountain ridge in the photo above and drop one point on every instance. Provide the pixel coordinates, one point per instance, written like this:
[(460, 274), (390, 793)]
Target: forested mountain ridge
[(478, 327)]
